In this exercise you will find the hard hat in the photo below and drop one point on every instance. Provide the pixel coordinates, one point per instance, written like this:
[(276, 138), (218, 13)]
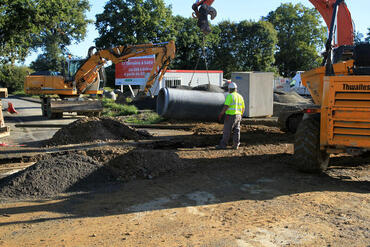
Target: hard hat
[(232, 85)]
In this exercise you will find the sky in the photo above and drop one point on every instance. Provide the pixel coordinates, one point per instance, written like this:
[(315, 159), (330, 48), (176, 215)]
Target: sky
[(232, 10)]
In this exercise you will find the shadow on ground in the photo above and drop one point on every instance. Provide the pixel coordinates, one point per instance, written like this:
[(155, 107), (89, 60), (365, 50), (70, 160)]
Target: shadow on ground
[(201, 182)]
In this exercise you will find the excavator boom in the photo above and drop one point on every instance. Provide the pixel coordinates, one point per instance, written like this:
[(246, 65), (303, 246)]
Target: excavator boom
[(165, 52)]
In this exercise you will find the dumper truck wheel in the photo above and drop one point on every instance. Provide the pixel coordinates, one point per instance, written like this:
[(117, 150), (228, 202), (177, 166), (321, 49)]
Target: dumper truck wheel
[(309, 157)]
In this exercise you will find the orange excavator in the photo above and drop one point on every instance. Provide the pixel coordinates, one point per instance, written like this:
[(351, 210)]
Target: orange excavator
[(84, 77), (340, 88)]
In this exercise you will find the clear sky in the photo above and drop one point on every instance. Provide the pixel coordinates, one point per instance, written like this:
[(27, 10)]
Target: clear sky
[(232, 10)]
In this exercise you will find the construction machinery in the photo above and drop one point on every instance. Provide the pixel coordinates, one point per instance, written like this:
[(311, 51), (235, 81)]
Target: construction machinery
[(83, 77), (340, 120)]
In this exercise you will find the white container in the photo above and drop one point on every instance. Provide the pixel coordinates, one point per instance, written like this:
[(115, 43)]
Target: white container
[(257, 89)]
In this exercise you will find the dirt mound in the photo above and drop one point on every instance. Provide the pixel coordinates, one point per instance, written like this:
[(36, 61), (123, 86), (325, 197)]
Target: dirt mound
[(207, 129), (96, 129), (144, 163), (290, 98), (51, 176)]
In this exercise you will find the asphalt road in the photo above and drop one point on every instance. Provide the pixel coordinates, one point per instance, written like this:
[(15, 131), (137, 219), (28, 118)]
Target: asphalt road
[(29, 113)]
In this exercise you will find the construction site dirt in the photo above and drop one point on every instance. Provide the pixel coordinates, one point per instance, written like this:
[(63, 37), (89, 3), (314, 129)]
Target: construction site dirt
[(181, 191)]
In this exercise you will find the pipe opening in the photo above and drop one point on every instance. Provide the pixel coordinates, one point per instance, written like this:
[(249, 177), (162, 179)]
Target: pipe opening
[(162, 101)]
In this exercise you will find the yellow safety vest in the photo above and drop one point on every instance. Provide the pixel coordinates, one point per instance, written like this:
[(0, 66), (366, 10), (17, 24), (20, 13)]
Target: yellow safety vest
[(236, 104)]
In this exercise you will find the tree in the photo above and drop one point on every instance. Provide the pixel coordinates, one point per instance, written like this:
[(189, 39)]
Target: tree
[(67, 23), (301, 37), (358, 37), (12, 77), (224, 53), (256, 48), (126, 22), (18, 22), (368, 36), (31, 24), (244, 46)]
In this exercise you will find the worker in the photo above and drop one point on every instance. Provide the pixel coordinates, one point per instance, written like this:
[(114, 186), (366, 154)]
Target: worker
[(233, 110)]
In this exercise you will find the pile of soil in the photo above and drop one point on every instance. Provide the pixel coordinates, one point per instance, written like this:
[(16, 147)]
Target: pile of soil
[(96, 129), (207, 129), (290, 98), (144, 163), (54, 175)]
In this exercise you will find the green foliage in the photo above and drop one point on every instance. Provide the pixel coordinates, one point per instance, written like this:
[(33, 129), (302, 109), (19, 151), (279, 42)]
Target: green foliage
[(244, 46), (144, 118), (17, 25), (126, 22), (367, 39), (301, 37), (12, 77), (47, 24), (49, 61), (257, 42), (358, 37), (113, 109), (67, 22), (230, 47)]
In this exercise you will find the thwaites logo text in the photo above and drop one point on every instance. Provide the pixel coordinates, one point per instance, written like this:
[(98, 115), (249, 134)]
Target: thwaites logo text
[(356, 87)]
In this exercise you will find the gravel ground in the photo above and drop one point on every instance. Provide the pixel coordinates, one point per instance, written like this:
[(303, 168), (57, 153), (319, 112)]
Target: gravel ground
[(54, 175), (186, 193)]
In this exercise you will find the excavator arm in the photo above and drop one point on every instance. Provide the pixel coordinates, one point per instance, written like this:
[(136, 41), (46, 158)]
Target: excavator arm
[(336, 13), (87, 73)]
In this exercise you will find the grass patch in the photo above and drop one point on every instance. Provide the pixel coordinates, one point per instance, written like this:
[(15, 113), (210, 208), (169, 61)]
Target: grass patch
[(112, 109), (21, 93), (144, 118)]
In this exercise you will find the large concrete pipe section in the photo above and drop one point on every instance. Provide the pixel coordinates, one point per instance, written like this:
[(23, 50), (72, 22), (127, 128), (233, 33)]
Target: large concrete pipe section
[(183, 104)]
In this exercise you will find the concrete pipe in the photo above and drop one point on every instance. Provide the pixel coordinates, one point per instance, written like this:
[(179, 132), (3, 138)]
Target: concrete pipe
[(189, 104)]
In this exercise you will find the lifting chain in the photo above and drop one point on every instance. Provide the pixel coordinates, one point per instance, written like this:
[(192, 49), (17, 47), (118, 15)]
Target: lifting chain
[(205, 61)]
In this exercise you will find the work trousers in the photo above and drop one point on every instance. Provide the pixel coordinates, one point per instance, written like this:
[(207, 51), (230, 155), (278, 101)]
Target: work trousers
[(231, 125)]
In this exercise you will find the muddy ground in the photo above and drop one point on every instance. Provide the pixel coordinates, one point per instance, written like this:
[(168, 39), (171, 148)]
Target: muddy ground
[(184, 192)]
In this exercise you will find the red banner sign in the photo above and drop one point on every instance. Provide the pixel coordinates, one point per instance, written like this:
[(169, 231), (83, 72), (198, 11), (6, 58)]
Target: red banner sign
[(134, 70)]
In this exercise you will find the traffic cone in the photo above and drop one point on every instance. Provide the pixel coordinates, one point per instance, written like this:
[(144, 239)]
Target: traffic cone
[(11, 108)]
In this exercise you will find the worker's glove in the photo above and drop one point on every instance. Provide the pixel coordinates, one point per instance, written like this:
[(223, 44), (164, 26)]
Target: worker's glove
[(220, 118)]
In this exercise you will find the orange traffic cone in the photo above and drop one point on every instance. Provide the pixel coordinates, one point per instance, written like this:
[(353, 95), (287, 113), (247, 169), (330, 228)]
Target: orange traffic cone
[(11, 108)]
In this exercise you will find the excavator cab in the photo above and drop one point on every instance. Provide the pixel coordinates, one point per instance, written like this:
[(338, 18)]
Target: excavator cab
[(73, 65)]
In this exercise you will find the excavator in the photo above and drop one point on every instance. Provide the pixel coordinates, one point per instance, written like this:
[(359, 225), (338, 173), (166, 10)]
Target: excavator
[(84, 77), (340, 89)]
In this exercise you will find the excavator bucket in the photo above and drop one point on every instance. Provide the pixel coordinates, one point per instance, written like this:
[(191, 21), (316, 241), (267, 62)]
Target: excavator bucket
[(203, 23), (212, 12)]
